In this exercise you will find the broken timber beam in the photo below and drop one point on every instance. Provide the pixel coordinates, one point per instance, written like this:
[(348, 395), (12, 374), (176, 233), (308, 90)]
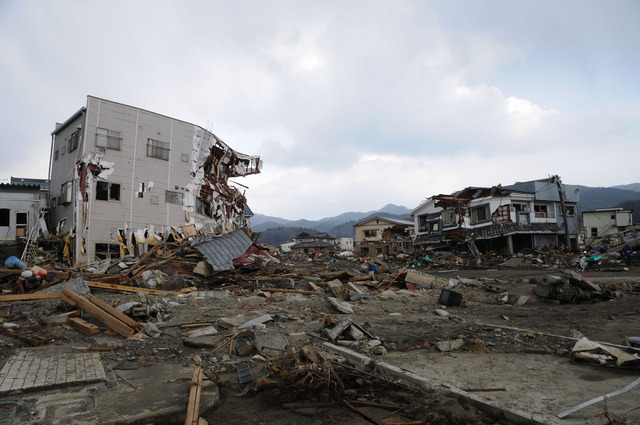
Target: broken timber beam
[(193, 408), (124, 288), (28, 297), (114, 312), (97, 312)]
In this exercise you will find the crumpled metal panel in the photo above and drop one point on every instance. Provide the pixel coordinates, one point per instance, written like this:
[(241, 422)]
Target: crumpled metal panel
[(221, 250)]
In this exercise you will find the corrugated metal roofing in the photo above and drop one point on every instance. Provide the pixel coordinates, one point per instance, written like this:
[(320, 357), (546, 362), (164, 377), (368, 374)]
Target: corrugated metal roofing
[(221, 250)]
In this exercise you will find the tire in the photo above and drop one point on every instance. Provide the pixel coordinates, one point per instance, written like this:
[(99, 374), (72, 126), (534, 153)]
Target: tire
[(596, 267)]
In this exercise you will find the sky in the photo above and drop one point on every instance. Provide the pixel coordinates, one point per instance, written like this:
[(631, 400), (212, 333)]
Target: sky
[(350, 104)]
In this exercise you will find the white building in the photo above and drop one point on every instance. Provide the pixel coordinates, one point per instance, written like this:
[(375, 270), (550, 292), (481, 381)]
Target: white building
[(605, 222), (122, 177)]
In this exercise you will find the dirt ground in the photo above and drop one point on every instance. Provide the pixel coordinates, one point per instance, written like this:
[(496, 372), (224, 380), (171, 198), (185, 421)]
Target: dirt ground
[(534, 369)]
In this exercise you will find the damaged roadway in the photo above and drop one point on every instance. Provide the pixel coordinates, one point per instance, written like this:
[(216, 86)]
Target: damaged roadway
[(512, 363)]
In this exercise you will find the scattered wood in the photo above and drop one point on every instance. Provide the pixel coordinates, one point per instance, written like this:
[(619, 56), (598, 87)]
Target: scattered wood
[(193, 407), (59, 319), (114, 312), (104, 348), (295, 291), (116, 287), (29, 297), (83, 326), (97, 312)]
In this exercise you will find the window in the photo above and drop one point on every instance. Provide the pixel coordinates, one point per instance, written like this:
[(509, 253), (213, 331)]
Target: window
[(184, 157), (479, 214), (5, 217), (543, 211), (613, 216), (107, 250), (571, 210), (66, 191), (594, 231), (21, 224), (520, 207), (157, 149), (62, 151), (449, 217), (370, 233), (72, 145), (155, 199), (109, 139), (55, 155), (434, 228), (106, 191), (203, 207), (53, 202), (174, 197)]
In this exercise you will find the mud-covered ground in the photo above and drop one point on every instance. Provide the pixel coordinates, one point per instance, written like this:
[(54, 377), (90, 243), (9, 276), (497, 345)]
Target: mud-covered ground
[(404, 321)]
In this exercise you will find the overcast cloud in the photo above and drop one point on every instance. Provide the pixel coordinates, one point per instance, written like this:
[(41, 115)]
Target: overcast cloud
[(352, 104)]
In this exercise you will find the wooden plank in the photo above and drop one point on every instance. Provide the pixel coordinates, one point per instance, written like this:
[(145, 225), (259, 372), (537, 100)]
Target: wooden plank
[(114, 312), (293, 291), (101, 315), (28, 297), (193, 407), (116, 287), (83, 326)]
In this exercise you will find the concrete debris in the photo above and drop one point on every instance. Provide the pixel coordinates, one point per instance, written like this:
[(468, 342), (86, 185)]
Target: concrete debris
[(341, 306), (450, 345)]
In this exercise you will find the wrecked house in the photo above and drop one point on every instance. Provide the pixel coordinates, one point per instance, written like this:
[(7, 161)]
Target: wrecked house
[(22, 204), (504, 219), (382, 236), (606, 224), (124, 178), (313, 243)]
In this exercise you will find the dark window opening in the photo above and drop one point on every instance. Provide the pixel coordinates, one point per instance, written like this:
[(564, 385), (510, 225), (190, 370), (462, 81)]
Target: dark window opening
[(370, 233), (73, 142), (5, 217), (480, 213), (106, 191), (594, 231), (203, 207), (107, 250), (21, 219)]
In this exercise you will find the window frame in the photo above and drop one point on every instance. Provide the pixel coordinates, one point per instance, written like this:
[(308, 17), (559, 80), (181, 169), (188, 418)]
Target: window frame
[(107, 137), (473, 214), (109, 191), (171, 201), (367, 233), (157, 149), (72, 144)]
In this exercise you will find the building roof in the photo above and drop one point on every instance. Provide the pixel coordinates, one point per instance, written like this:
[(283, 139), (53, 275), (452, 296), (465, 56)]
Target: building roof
[(221, 250), (387, 219), (313, 245), (19, 187), (598, 210), (305, 235), (43, 183)]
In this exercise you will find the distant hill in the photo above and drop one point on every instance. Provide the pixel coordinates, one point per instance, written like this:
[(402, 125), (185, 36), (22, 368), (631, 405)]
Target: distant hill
[(592, 198), (275, 230), (633, 186)]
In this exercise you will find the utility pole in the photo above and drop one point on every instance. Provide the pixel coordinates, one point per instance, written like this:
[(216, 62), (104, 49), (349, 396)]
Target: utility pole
[(564, 210)]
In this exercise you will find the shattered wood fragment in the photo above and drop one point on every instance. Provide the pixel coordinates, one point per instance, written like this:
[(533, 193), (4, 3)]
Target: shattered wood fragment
[(101, 315), (380, 416), (83, 326)]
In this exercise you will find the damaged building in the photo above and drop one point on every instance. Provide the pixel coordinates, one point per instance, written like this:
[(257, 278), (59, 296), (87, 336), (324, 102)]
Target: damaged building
[(124, 178), (508, 219), (382, 236)]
